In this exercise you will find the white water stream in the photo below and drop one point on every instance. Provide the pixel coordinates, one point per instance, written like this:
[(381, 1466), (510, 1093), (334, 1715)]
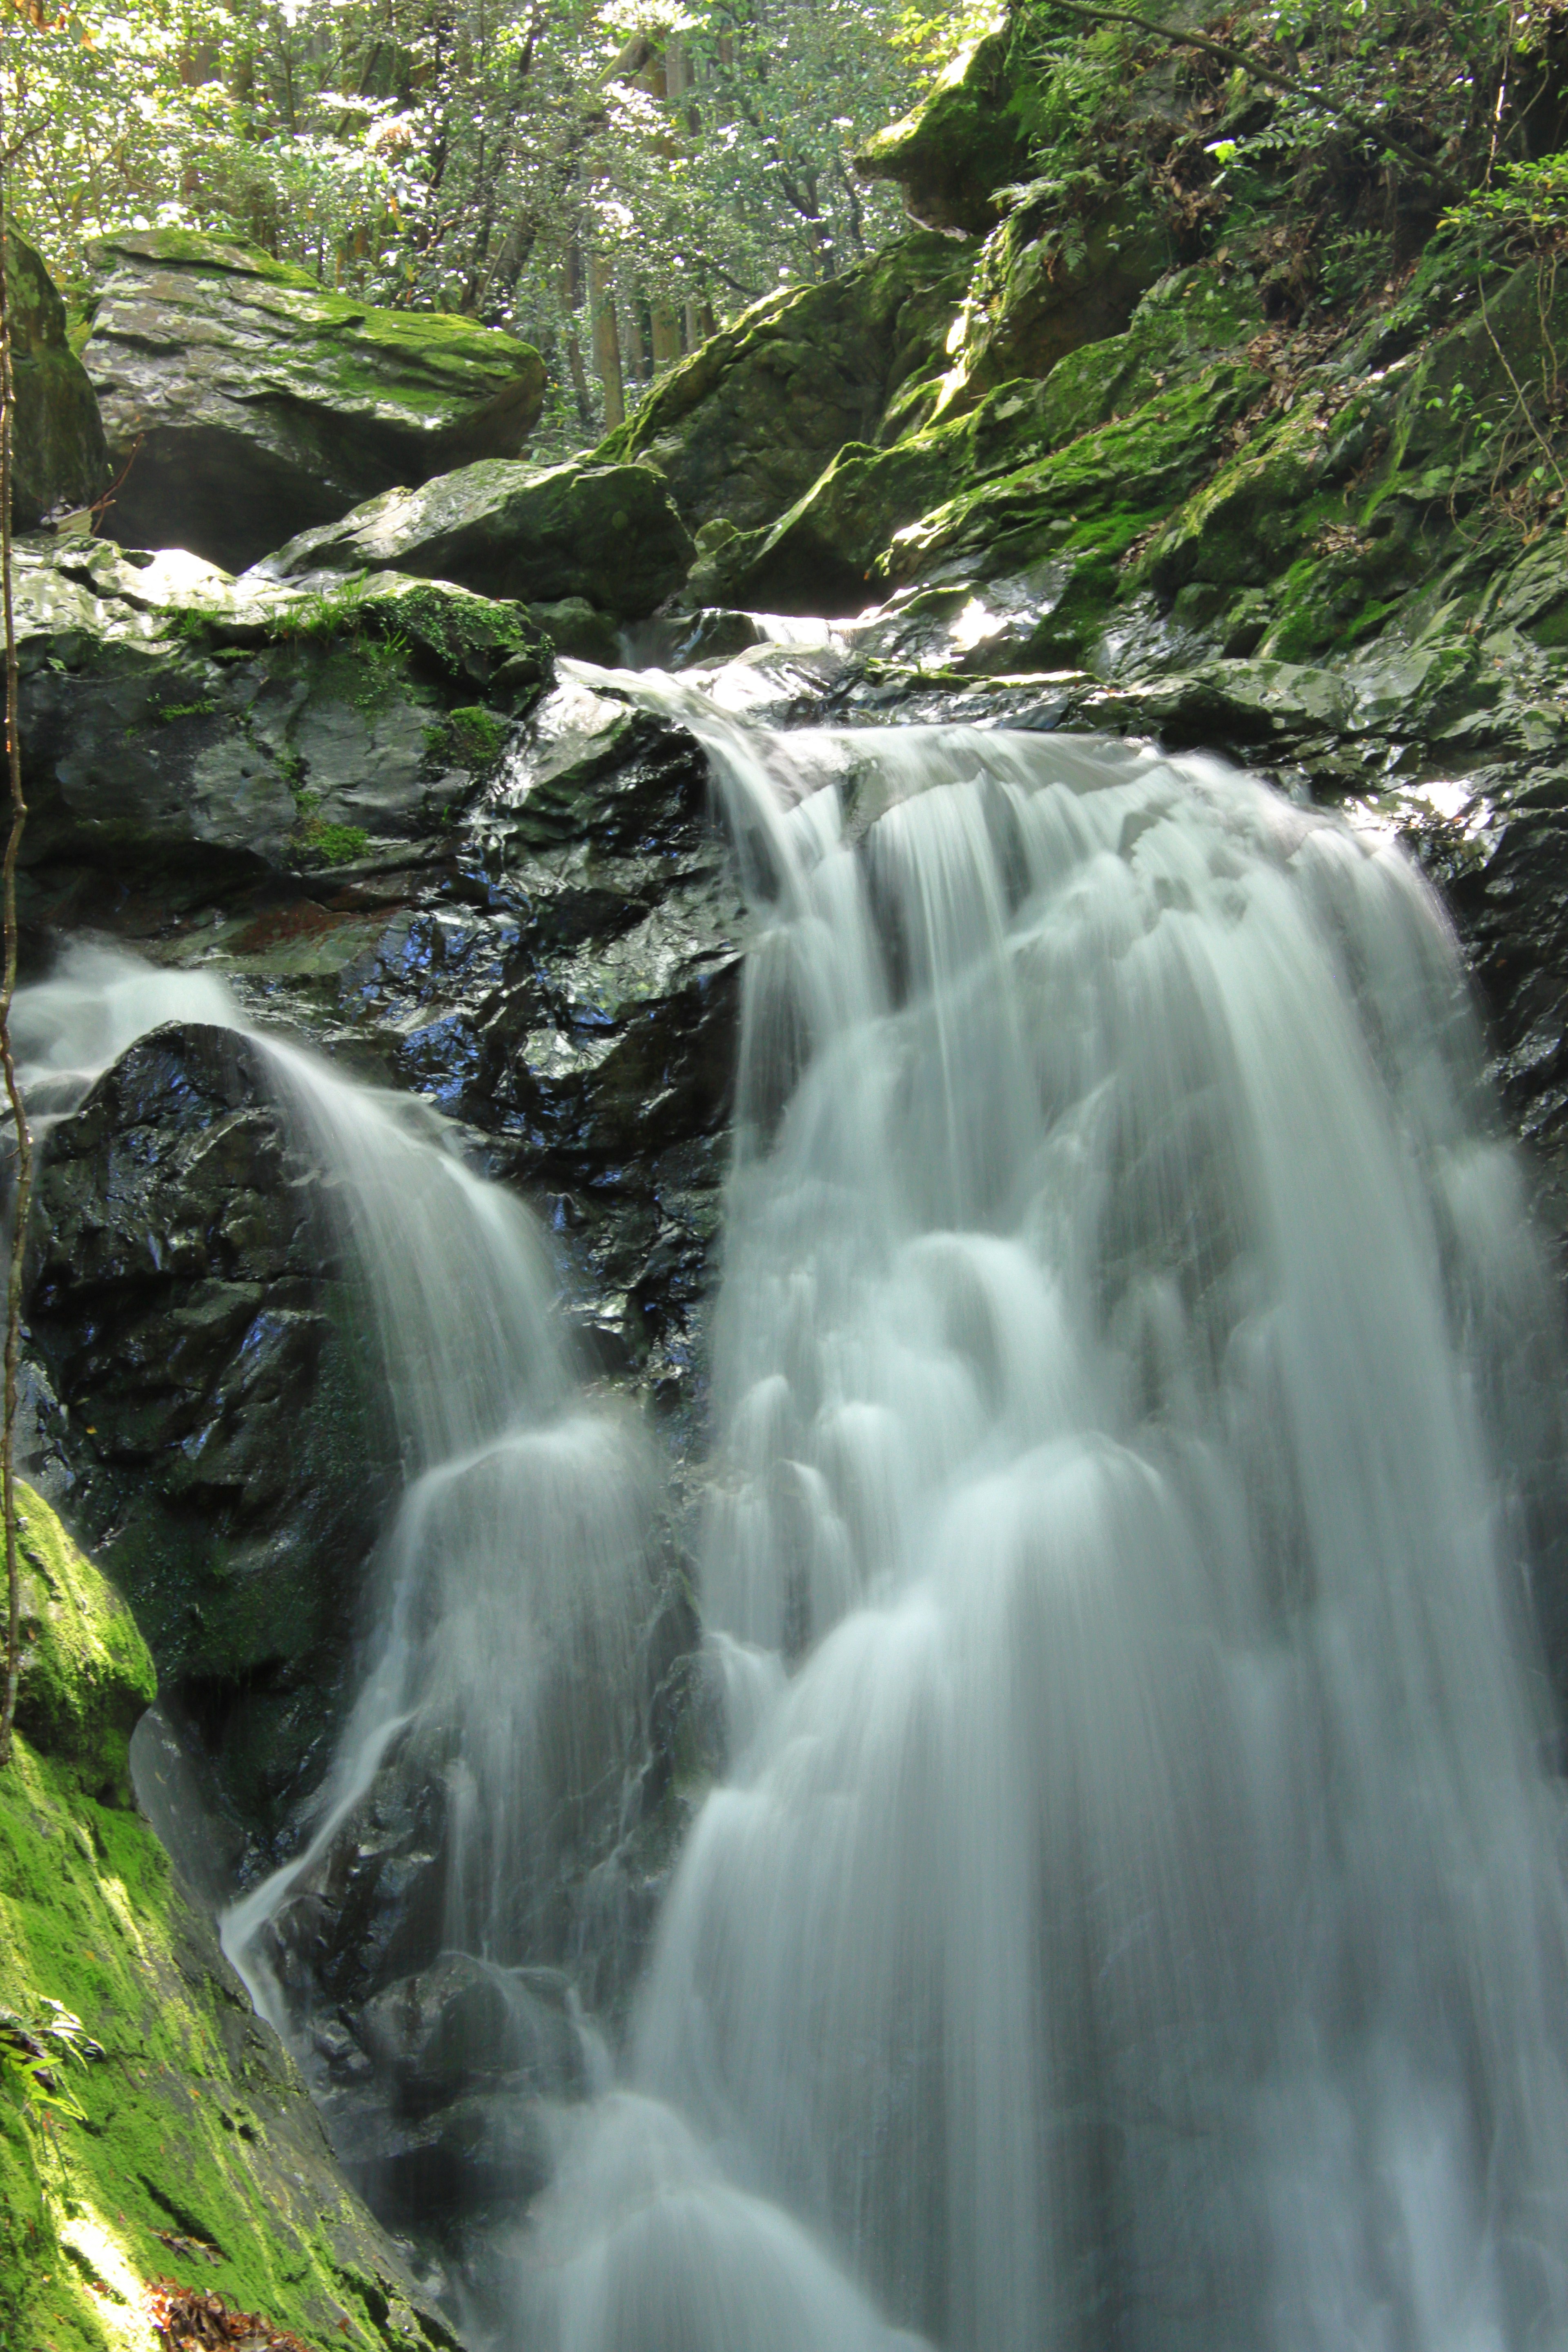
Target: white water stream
[(1138, 1917), (1133, 1918), (511, 1588)]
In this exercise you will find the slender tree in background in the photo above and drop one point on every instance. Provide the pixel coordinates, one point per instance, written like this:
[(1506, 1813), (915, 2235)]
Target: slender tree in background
[(24, 1187)]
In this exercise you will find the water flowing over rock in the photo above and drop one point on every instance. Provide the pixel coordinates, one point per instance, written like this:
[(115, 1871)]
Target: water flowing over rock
[(243, 402), (1122, 1368)]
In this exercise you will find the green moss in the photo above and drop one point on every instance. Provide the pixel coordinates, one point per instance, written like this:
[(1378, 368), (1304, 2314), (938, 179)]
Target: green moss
[(87, 1675), (471, 736), (197, 2123), (335, 845)]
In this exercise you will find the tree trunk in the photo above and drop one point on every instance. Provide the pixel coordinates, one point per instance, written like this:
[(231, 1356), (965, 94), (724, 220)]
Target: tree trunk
[(607, 341)]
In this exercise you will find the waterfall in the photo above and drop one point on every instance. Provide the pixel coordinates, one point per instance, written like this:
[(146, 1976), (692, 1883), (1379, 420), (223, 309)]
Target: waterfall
[(1132, 1912), (511, 1590), (1134, 1915)]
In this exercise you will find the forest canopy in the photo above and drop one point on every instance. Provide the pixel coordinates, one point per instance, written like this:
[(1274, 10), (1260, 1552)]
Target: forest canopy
[(542, 165)]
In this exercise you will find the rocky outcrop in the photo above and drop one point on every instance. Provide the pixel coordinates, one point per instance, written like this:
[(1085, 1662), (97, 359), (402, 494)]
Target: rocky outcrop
[(198, 2157), (59, 458), (961, 145), (176, 732), (744, 425), (1065, 472), (605, 534), (244, 403), (223, 1431)]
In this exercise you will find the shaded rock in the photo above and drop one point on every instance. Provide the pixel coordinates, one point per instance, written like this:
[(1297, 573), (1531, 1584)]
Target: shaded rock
[(173, 727), (1067, 267), (1071, 515), (257, 403), (465, 2021), (741, 429), (199, 2126), (196, 1328), (58, 457), (605, 534), (959, 146)]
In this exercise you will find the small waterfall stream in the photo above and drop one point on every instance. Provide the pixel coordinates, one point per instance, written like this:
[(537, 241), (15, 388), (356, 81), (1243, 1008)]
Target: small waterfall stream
[(1134, 1915)]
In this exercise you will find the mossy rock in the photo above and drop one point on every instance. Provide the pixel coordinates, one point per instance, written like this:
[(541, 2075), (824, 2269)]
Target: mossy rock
[(58, 457), (1080, 506), (201, 2158), (745, 425), (88, 1676), (609, 534), (1067, 267), (962, 144), (833, 546), (1249, 522), (250, 404), (175, 725)]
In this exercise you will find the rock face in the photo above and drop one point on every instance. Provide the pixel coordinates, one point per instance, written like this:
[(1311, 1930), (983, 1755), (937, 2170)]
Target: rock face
[(188, 1304), (58, 457), (176, 733), (605, 534), (248, 404), (201, 2158), (744, 425), (963, 144)]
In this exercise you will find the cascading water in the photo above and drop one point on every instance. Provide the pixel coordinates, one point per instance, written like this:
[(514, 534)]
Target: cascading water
[(1137, 1916), (513, 1588), (1134, 1915)]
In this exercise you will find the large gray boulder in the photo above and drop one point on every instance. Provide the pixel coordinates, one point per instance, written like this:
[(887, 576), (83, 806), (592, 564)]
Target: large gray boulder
[(181, 733), (247, 403), (607, 534), (59, 460)]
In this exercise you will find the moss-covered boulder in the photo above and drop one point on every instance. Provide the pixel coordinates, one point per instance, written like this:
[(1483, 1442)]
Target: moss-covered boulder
[(59, 458), (744, 425), (247, 403), (176, 726), (87, 1675), (963, 144), (886, 516), (201, 2158), (1067, 267), (607, 534)]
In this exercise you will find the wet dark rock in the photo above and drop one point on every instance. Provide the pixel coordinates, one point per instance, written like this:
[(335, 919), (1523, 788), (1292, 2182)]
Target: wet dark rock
[(248, 404), (189, 1312), (604, 535), (58, 458), (465, 2021), (177, 729)]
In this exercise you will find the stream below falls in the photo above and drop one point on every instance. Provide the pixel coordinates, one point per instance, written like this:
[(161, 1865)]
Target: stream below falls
[(1131, 1914)]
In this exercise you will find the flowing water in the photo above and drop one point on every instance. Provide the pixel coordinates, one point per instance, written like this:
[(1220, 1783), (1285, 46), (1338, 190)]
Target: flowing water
[(510, 1591), (1132, 1915)]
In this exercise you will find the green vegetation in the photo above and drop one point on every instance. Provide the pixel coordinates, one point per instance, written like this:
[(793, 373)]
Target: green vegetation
[(605, 181), (187, 2145), (472, 736)]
